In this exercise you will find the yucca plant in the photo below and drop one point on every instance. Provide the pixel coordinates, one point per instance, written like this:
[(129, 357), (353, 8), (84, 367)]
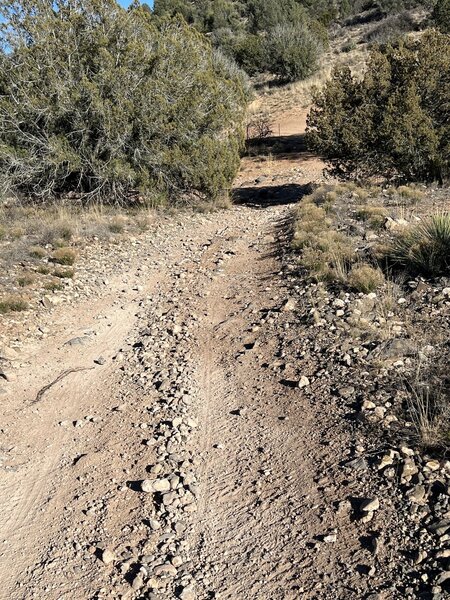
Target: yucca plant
[(424, 248)]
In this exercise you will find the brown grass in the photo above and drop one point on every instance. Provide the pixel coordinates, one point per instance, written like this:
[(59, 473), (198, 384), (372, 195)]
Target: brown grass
[(53, 285), (64, 273), (12, 303), (365, 278), (64, 256)]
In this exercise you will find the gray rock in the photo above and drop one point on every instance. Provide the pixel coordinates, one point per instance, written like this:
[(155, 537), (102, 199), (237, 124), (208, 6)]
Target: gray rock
[(370, 505), (440, 527), (77, 341), (188, 593)]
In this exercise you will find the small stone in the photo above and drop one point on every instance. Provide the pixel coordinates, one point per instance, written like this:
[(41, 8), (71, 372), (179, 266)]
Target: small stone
[(157, 485), (188, 593), (417, 494), (154, 524), (370, 505), (330, 539), (440, 527), (166, 570), (346, 392), (108, 557), (407, 451), (409, 469), (433, 465), (100, 360), (368, 405), (386, 461), (289, 305), (304, 382)]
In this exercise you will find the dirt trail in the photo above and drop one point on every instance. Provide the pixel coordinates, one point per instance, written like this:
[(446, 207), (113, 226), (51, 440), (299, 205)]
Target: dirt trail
[(201, 338)]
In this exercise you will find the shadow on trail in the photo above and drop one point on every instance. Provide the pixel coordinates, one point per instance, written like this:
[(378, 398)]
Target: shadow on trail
[(281, 147), (271, 195)]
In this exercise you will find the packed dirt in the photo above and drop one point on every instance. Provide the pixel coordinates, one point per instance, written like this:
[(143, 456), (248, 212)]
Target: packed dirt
[(179, 435)]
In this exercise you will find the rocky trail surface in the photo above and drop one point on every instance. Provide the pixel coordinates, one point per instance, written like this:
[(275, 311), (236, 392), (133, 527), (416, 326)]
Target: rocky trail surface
[(183, 434)]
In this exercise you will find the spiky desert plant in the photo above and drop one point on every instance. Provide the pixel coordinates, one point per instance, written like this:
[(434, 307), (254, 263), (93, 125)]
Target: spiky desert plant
[(424, 248)]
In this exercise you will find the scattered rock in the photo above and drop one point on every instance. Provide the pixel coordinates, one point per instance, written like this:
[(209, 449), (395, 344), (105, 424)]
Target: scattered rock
[(107, 556), (370, 505)]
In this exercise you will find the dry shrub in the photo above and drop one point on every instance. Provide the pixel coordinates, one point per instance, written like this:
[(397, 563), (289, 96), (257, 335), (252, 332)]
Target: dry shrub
[(325, 252), (375, 216), (63, 273), (365, 278), (43, 269), (12, 303), (54, 284), (410, 194), (37, 252), (64, 256), (26, 279), (429, 405), (117, 224)]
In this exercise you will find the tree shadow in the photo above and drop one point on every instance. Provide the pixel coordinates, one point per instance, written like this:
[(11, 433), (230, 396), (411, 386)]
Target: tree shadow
[(262, 197), (284, 147)]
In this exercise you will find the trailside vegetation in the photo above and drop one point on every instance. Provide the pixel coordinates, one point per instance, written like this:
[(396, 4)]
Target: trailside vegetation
[(395, 123), (283, 37), (110, 104)]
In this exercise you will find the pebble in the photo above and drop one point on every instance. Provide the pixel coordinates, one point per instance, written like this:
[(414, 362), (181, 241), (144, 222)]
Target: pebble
[(108, 556), (304, 382), (151, 486), (188, 593), (370, 505)]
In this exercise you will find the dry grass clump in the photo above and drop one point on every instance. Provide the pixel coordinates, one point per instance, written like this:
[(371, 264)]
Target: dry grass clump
[(64, 256), (64, 273), (54, 284), (365, 278), (26, 279), (325, 252), (58, 232), (43, 269), (429, 406), (407, 194), (423, 248), (375, 216), (12, 303), (37, 252), (117, 224)]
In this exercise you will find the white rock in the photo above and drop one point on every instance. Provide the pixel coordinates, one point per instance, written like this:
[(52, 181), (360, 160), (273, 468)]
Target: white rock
[(304, 382)]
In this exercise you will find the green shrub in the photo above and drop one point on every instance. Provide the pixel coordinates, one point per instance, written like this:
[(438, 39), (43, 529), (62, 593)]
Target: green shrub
[(396, 121), (251, 53), (294, 51), (110, 103), (441, 15), (424, 248)]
